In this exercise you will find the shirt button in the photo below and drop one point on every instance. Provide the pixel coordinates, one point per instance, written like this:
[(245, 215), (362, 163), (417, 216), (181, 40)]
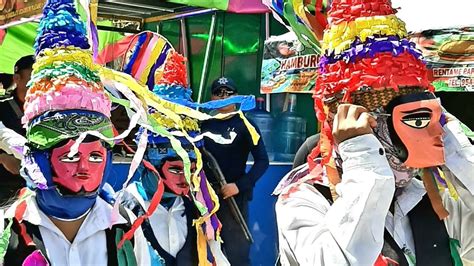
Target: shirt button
[(381, 151)]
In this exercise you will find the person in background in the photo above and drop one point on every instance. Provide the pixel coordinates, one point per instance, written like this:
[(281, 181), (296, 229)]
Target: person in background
[(6, 81), (232, 160), (11, 112)]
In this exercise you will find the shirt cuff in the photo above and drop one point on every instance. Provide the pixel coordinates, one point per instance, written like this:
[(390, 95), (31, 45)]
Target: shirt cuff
[(363, 152)]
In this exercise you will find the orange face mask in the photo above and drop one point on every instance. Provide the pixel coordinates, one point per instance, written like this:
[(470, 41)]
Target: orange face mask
[(416, 130)]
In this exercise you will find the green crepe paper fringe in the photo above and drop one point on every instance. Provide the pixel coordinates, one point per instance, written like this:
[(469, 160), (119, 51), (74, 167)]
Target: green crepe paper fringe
[(125, 255), (66, 69), (5, 240)]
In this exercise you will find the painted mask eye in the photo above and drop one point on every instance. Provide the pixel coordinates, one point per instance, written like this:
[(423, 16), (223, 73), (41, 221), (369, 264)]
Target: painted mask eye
[(176, 170), (96, 158), (73, 159), (417, 120)]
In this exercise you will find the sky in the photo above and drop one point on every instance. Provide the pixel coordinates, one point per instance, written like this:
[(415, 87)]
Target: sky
[(435, 14)]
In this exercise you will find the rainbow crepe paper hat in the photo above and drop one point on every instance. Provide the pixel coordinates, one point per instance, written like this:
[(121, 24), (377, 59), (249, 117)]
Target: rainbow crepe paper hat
[(65, 95), (367, 58)]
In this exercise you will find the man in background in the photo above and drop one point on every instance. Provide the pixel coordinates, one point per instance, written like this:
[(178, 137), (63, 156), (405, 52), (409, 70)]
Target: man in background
[(11, 112), (232, 160)]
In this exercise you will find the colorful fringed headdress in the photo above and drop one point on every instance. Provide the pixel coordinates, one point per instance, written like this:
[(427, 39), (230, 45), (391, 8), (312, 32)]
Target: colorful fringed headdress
[(65, 95), (165, 75), (367, 61)]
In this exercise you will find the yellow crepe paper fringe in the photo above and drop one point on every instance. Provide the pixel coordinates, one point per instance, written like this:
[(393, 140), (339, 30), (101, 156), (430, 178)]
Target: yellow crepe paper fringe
[(69, 54), (188, 123), (253, 132), (340, 37)]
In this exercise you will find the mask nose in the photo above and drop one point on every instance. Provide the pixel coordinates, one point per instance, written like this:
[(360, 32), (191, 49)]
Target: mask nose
[(83, 165)]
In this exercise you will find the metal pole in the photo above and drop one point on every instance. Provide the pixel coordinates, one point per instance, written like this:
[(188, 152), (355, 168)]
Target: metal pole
[(184, 43), (158, 28), (207, 56), (192, 12), (267, 35)]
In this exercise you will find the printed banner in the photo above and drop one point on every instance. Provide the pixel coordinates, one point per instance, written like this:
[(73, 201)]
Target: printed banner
[(12, 10), (287, 66), (449, 55)]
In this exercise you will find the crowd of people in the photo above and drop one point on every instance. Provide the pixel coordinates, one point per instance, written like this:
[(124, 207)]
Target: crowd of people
[(387, 181)]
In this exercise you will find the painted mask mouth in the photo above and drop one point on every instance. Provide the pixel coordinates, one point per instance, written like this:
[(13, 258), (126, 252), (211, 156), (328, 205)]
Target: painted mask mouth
[(182, 185), (65, 192)]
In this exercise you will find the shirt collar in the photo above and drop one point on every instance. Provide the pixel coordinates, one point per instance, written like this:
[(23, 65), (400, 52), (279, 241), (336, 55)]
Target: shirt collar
[(411, 195), (98, 219)]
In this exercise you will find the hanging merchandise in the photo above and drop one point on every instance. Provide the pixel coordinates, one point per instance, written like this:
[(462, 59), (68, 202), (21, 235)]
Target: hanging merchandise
[(288, 66), (449, 56)]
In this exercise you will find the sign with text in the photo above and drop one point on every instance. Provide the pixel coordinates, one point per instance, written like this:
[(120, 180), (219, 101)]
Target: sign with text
[(449, 56), (12, 10), (287, 68)]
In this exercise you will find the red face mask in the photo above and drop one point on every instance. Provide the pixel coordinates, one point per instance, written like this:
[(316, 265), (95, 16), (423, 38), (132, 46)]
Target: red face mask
[(173, 177), (84, 170), (418, 126)]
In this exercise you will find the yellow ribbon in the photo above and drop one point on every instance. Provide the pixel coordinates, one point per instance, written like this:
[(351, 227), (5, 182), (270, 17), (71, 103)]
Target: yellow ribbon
[(253, 132), (340, 37), (202, 247), (451, 189), (189, 124), (152, 60)]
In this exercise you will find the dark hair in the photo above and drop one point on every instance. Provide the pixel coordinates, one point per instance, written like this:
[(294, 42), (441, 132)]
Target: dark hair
[(26, 62)]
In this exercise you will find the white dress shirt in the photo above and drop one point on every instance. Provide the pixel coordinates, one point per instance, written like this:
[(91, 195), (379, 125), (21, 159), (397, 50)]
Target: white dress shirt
[(169, 226), (398, 223), (350, 232), (89, 246)]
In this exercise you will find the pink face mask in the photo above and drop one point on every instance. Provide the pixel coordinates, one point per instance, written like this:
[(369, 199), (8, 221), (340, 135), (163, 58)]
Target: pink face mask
[(418, 126), (82, 171), (173, 177)]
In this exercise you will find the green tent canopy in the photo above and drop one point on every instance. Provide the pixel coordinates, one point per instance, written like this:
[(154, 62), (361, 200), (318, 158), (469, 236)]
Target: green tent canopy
[(19, 41)]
